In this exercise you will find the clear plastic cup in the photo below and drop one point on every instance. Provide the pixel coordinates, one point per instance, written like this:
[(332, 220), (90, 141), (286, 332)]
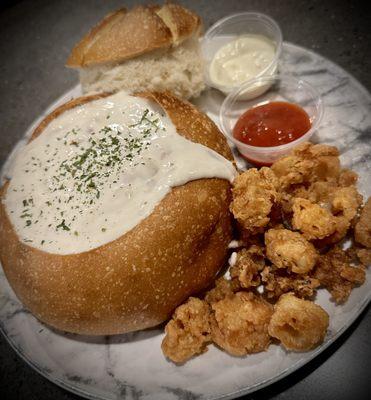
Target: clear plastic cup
[(236, 25), (280, 88)]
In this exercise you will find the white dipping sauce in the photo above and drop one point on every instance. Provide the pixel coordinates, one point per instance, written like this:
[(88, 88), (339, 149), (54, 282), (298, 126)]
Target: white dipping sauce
[(99, 169), (241, 59)]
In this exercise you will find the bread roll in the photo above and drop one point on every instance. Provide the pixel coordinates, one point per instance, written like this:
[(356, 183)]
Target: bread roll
[(145, 48), (135, 281)]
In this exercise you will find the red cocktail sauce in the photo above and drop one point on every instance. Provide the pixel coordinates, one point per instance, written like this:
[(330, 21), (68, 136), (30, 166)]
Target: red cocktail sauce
[(272, 124)]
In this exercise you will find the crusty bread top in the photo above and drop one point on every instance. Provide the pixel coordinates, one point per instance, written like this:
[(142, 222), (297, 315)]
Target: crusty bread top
[(135, 281), (182, 22), (123, 34)]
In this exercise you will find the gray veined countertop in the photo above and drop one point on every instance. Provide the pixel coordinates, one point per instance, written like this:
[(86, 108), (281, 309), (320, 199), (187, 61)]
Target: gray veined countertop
[(36, 37)]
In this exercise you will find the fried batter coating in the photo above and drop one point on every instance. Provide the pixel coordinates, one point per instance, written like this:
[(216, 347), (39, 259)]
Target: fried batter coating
[(325, 158), (223, 288), (247, 239), (308, 163), (362, 230), (292, 170), (277, 282), (318, 192), (347, 177), (312, 220), (345, 202), (254, 194), (188, 332), (248, 264), (341, 230), (364, 255), (335, 273), (239, 324), (287, 249), (342, 202), (299, 324), (287, 199)]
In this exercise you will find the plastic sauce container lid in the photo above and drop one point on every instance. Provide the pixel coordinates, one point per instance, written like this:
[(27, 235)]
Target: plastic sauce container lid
[(230, 28)]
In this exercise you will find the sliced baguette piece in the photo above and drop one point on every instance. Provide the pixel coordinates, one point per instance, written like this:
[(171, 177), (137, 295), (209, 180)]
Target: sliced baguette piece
[(136, 281), (182, 22), (124, 35)]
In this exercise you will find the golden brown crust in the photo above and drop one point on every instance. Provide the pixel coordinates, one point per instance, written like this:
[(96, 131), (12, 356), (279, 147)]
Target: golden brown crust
[(255, 193), (362, 230), (136, 281), (182, 22), (287, 249), (313, 221), (278, 281), (299, 324), (123, 34), (249, 263), (335, 272), (188, 332), (222, 288), (239, 323)]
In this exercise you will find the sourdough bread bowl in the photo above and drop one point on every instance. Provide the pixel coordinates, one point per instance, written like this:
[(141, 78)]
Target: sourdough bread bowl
[(145, 48), (135, 281)]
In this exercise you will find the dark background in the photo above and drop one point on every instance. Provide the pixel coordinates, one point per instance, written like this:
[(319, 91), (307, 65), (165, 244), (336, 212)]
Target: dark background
[(35, 40)]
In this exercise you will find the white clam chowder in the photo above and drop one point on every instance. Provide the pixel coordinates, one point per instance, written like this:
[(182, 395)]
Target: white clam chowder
[(99, 169)]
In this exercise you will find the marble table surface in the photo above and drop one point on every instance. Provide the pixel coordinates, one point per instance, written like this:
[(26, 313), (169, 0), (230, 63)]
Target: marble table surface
[(36, 39)]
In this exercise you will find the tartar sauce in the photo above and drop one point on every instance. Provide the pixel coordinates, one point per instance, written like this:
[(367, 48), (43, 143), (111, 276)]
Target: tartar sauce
[(241, 59), (97, 170)]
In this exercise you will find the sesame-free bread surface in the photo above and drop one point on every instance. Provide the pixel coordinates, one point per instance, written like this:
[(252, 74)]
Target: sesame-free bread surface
[(123, 34), (135, 281)]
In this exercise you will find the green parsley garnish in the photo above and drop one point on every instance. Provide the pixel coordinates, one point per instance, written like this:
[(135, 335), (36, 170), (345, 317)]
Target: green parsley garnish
[(63, 226)]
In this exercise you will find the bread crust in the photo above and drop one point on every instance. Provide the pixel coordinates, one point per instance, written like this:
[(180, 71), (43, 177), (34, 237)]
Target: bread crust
[(182, 22), (123, 35), (136, 281)]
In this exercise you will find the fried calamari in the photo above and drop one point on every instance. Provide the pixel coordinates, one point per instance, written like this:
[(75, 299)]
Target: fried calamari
[(255, 192), (249, 263), (188, 332), (278, 281), (335, 272), (342, 202), (364, 255), (362, 230), (223, 288), (298, 324), (345, 202), (325, 159), (292, 219), (312, 220), (239, 324), (312, 172), (347, 177), (287, 249), (308, 163)]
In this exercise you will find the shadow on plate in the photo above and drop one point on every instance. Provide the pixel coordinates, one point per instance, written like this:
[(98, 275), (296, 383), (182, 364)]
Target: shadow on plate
[(112, 339)]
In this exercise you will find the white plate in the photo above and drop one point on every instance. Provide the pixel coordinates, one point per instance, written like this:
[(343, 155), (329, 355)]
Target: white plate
[(132, 366)]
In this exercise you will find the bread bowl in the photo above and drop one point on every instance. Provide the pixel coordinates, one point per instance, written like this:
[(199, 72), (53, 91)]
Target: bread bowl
[(145, 48), (136, 280)]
